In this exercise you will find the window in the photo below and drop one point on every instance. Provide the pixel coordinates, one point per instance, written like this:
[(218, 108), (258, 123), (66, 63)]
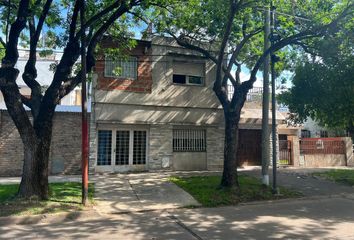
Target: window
[(122, 147), (139, 149), (189, 73), (180, 79), (323, 134), (189, 140), (121, 67), (305, 134), (104, 147)]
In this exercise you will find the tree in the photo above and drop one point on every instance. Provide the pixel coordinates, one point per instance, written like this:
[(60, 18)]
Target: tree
[(230, 34), (323, 92), (24, 21)]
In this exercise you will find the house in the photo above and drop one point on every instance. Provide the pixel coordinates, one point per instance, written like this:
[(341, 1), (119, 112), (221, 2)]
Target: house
[(44, 78), (65, 151), (159, 112)]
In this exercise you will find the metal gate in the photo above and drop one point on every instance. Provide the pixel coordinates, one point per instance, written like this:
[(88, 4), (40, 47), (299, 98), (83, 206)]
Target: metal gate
[(285, 152)]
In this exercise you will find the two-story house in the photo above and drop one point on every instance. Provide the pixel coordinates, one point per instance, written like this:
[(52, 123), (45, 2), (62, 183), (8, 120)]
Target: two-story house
[(158, 111)]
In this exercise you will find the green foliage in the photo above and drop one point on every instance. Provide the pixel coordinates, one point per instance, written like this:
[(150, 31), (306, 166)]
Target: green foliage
[(206, 190), (323, 92), (205, 20), (2, 51), (344, 176), (63, 197)]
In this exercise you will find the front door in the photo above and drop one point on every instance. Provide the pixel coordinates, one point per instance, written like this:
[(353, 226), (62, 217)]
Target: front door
[(121, 150)]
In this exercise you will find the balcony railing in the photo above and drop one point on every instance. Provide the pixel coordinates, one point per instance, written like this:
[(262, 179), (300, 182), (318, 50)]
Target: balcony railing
[(254, 94)]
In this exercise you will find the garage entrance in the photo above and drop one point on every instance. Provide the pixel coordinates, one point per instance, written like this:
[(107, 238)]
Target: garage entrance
[(249, 147)]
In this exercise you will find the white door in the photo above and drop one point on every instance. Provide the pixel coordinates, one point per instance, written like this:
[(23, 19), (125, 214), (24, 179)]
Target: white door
[(122, 150)]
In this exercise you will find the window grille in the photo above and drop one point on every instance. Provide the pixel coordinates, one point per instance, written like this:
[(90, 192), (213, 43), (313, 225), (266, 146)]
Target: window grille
[(104, 147), (122, 147), (121, 67), (323, 134), (189, 140), (305, 134), (139, 147)]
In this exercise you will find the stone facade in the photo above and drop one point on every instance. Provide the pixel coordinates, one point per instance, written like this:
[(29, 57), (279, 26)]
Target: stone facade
[(215, 148), (160, 147), (65, 153)]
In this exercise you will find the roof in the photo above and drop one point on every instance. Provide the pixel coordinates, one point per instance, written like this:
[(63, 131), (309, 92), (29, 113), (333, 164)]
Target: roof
[(44, 75), (59, 108)]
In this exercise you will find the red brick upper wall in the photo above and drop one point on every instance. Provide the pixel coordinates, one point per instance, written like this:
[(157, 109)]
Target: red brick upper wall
[(142, 84)]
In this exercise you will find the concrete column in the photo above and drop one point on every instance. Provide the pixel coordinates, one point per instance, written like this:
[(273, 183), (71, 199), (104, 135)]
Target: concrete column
[(349, 158), (295, 150)]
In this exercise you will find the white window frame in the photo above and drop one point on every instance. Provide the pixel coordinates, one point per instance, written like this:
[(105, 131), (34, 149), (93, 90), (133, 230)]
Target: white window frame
[(120, 61), (131, 146), (188, 82)]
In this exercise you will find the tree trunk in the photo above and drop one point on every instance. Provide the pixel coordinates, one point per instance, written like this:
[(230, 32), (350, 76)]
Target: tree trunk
[(229, 176), (35, 168)]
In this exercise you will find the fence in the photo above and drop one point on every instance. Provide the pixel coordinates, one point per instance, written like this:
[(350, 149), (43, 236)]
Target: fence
[(322, 146), (254, 94), (285, 152)]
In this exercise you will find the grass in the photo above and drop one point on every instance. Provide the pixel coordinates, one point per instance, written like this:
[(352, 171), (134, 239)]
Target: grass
[(344, 176), (62, 197), (206, 190)]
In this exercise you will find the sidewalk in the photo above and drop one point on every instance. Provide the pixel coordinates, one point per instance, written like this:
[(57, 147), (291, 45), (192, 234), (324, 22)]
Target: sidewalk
[(327, 218), (302, 180), (120, 193)]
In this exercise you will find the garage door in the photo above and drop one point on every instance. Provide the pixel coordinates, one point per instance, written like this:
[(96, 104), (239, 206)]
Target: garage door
[(249, 148)]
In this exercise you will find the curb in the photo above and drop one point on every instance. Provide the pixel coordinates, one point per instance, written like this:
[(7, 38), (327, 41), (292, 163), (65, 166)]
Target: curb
[(48, 218)]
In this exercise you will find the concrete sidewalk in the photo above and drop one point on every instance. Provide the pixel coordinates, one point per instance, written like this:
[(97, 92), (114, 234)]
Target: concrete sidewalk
[(303, 180), (327, 218), (120, 193)]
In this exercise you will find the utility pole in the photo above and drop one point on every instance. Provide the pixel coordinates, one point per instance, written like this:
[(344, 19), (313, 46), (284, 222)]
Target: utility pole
[(274, 59), (84, 145), (265, 103)]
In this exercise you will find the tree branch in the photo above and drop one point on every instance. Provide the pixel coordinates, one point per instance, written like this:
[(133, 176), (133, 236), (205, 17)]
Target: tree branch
[(99, 16), (73, 23), (6, 3), (237, 52), (26, 101), (30, 73), (11, 54), (311, 33), (70, 84)]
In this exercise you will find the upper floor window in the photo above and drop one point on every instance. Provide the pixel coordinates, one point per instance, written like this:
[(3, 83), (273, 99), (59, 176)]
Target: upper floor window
[(188, 73), (305, 134), (323, 134), (121, 67)]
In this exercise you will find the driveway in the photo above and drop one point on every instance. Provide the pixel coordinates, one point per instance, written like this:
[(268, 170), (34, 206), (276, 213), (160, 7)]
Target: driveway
[(120, 193)]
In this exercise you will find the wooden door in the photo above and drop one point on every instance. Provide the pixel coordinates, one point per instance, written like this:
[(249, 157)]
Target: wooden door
[(249, 147)]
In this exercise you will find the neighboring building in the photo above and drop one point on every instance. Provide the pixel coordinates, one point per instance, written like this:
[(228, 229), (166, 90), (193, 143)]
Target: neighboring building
[(44, 78), (311, 129), (159, 112)]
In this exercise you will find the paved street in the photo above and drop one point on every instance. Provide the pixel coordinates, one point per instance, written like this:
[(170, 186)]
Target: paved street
[(147, 206), (330, 218)]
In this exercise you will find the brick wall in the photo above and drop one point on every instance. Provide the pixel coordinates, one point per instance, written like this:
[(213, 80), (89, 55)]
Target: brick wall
[(65, 153), (142, 84)]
